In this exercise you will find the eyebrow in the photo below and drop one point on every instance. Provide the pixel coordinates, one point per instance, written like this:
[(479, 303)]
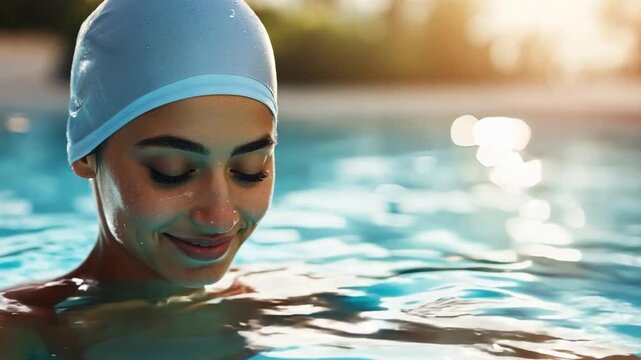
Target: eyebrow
[(174, 142), (261, 143)]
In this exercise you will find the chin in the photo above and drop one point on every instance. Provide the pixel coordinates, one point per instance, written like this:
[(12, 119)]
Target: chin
[(197, 277)]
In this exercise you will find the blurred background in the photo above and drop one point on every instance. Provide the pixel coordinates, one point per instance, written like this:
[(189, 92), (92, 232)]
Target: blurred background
[(535, 216), (588, 50)]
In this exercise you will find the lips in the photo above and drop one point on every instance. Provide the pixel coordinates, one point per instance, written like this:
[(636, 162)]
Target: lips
[(203, 248)]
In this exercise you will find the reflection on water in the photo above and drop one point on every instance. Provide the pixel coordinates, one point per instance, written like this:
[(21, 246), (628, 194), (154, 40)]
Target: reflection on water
[(315, 311), (500, 141), (386, 244)]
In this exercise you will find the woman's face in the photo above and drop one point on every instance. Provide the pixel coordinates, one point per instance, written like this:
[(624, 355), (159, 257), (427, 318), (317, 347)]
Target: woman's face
[(183, 186)]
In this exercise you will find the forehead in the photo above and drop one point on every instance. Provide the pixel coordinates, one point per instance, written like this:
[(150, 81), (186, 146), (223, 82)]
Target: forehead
[(215, 120)]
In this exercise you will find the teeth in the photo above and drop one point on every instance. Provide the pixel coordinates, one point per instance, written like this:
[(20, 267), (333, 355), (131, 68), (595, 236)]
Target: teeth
[(197, 243)]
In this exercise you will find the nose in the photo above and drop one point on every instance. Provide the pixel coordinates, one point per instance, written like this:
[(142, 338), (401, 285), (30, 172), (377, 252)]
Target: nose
[(216, 211)]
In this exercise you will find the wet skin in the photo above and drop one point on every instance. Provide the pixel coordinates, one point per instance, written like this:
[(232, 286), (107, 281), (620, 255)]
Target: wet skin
[(198, 171)]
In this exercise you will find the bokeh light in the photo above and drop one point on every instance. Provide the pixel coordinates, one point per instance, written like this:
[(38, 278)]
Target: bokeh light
[(17, 123)]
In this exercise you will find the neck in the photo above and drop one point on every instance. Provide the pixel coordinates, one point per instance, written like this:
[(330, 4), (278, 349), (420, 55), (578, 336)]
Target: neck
[(109, 264)]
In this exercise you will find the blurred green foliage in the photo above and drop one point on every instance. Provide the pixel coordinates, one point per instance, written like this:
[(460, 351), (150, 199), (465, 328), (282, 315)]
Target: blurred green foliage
[(317, 41), (32, 14)]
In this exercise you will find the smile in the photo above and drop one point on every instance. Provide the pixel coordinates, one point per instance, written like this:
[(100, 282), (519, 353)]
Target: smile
[(202, 248)]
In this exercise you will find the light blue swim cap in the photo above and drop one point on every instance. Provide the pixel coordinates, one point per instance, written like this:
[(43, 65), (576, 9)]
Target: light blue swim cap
[(133, 56)]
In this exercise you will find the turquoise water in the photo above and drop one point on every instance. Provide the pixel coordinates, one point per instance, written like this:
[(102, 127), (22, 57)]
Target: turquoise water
[(385, 240)]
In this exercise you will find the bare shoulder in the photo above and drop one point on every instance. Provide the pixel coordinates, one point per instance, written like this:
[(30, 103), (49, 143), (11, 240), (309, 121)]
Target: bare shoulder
[(40, 296), (24, 311), (19, 337)]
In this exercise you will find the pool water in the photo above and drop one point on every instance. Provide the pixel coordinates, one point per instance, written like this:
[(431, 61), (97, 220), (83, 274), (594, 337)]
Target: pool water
[(385, 241)]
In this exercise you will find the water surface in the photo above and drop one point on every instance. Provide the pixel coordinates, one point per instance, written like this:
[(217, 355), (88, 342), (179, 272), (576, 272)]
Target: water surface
[(385, 240)]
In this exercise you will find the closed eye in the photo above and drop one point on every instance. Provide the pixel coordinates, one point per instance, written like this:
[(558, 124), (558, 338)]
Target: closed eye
[(164, 179), (256, 177)]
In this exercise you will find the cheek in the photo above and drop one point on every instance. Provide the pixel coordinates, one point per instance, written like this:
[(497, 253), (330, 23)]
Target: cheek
[(130, 204), (255, 201)]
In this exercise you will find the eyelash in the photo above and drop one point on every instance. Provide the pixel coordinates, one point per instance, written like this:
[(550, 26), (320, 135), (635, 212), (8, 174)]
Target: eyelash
[(257, 177), (164, 179)]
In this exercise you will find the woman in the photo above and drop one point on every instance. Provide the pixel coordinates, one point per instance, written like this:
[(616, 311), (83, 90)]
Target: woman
[(172, 119)]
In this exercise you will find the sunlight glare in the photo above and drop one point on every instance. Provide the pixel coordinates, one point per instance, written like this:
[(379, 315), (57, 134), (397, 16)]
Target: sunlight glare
[(554, 253), (490, 156), (462, 130), (537, 232), (502, 133), (513, 173), (535, 209), (573, 28)]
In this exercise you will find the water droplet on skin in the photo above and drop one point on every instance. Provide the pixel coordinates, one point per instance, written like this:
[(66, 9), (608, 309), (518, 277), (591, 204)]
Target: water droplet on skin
[(188, 194), (232, 13), (78, 322)]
